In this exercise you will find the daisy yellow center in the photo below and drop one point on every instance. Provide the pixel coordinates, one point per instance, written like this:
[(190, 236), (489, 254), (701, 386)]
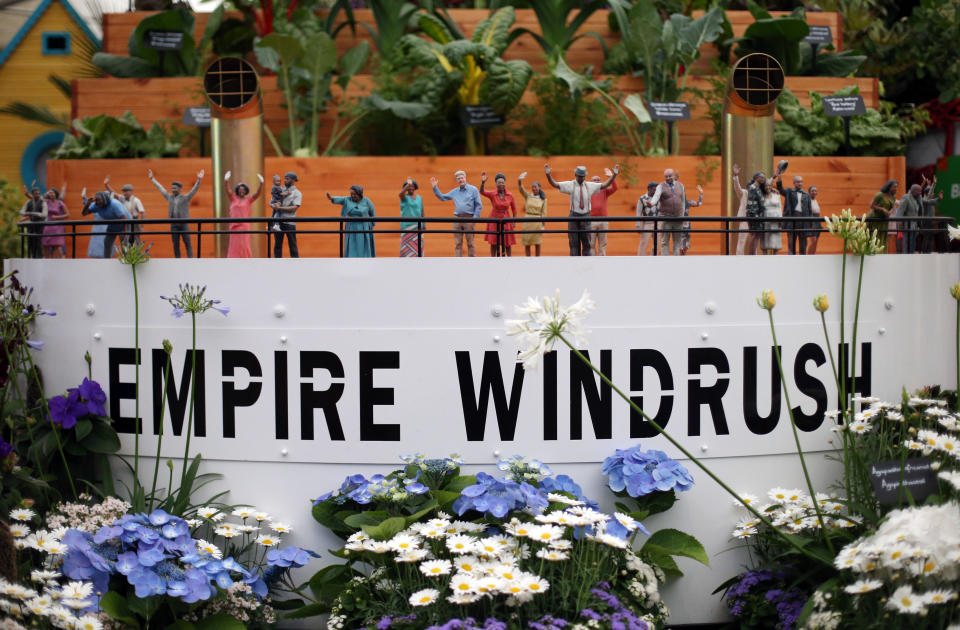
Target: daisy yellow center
[(948, 446), (466, 567), (906, 601), (508, 576), (534, 587), (434, 569), (515, 589), (545, 535), (425, 599), (928, 567), (896, 555), (522, 532), (463, 586)]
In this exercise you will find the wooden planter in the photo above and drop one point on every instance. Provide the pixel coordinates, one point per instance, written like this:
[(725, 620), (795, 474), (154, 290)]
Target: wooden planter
[(165, 100), (587, 51), (843, 182)]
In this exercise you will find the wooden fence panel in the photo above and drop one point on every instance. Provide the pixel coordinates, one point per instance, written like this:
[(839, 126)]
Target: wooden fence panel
[(843, 182), (587, 51), (164, 99)]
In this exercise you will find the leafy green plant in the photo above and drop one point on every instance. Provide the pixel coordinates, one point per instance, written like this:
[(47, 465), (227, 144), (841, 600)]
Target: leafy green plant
[(459, 72), (545, 129), (661, 50), (103, 136), (803, 131), (11, 200), (144, 62), (557, 30), (392, 18)]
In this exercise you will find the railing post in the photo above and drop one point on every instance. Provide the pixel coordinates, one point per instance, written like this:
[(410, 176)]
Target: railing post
[(199, 230), (656, 235), (341, 239), (73, 241)]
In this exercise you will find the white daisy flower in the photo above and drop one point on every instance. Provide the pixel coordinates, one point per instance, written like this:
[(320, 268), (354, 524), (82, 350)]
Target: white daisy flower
[(626, 520), (949, 445), (77, 590), (611, 541), (75, 604), (561, 545), (489, 584), (375, 546), (744, 533), (560, 498), (43, 575), (404, 542), (463, 583), (553, 555), (435, 568), (261, 516), (952, 477), (905, 601), (938, 596), (243, 512), (467, 564), (749, 499), (937, 412), (21, 514), (55, 548), (266, 540), (463, 597), (226, 532), (19, 530), (591, 515), (424, 597), (210, 512), (89, 622), (209, 548), (460, 543), (535, 584), (412, 555), (862, 586), (518, 528), (546, 533), (860, 427), (193, 522), (246, 529), (486, 547)]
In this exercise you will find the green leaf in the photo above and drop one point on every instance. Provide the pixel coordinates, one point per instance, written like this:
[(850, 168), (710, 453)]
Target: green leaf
[(663, 560), (373, 517), (115, 605), (757, 11), (220, 622), (287, 47), (310, 610), (387, 529), (353, 61), (576, 82), (144, 606), (329, 581), (458, 483), (434, 28), (634, 104), (505, 83), (124, 67), (174, 63), (82, 428), (677, 543), (102, 438), (318, 56), (286, 604), (703, 30), (185, 490), (495, 30)]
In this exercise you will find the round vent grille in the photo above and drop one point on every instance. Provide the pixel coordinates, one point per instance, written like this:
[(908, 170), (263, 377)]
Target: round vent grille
[(757, 80), (230, 83)]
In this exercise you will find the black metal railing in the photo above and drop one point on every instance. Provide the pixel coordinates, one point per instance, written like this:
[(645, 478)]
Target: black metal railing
[(930, 231)]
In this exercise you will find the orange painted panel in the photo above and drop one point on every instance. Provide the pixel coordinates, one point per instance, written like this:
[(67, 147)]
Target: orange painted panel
[(586, 51), (844, 183)]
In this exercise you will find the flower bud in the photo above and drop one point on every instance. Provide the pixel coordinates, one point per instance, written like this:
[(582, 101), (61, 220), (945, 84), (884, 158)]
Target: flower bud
[(955, 291), (170, 464), (87, 358), (820, 303), (167, 346), (767, 300)]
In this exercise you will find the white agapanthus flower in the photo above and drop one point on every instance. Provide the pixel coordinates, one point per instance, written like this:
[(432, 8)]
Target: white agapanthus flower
[(954, 232), (545, 321)]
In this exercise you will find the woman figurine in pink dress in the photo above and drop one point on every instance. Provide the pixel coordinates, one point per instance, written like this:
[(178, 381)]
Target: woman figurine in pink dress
[(240, 202), (53, 240), (503, 207)]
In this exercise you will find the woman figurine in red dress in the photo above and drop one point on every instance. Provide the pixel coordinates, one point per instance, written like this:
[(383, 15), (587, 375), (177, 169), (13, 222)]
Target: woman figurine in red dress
[(503, 208), (240, 202)]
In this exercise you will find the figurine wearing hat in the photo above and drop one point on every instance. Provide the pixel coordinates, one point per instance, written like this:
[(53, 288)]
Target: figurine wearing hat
[(644, 211), (179, 209), (580, 191), (286, 209), (132, 204)]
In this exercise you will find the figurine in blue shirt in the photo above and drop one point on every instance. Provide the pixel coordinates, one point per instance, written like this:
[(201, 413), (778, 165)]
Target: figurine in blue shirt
[(107, 209), (466, 205)]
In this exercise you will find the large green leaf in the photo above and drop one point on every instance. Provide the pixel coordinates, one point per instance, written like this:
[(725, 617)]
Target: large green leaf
[(102, 438), (318, 56), (220, 622), (575, 81), (434, 28), (174, 62), (676, 543), (310, 610), (841, 64), (694, 33), (124, 67), (400, 109), (287, 47), (386, 529), (635, 106), (506, 82), (353, 61), (116, 607), (362, 519), (495, 30), (327, 583)]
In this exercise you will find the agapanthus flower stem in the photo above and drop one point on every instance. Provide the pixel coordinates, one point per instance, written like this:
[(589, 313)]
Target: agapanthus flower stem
[(844, 355), (163, 408), (136, 367), (789, 540), (836, 376), (796, 436), (63, 458), (193, 381), (957, 402), (853, 339)]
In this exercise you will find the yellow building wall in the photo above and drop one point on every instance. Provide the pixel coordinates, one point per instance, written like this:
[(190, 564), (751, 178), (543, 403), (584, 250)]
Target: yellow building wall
[(23, 77)]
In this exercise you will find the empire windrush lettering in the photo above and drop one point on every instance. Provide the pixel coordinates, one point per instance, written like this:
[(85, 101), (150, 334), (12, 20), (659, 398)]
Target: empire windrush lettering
[(704, 382)]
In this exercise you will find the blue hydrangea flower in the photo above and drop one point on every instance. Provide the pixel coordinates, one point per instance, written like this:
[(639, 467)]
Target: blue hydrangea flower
[(522, 469), (499, 496), (642, 472), (290, 557)]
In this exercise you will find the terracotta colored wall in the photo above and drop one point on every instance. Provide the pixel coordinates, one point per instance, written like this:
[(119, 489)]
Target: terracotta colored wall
[(843, 182), (165, 99)]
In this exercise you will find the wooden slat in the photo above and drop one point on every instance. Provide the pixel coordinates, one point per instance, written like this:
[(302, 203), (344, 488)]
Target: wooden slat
[(843, 182), (587, 51), (165, 100)]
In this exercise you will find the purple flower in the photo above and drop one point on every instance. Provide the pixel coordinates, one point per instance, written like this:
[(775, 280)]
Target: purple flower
[(289, 557), (93, 394), (36, 345), (64, 410), (499, 496), (642, 472), (5, 448)]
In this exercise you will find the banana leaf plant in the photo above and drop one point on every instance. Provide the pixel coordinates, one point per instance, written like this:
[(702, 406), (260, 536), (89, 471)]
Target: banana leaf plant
[(462, 72), (661, 49), (557, 29), (144, 62)]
